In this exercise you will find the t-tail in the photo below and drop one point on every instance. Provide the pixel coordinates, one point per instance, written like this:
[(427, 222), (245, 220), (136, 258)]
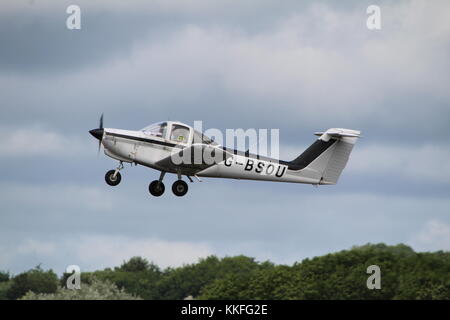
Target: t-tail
[(327, 157)]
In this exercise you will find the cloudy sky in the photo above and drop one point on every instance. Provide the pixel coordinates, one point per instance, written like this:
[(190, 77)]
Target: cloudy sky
[(297, 66)]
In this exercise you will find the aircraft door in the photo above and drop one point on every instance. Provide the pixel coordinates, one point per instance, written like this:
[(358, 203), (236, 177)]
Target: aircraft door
[(134, 150)]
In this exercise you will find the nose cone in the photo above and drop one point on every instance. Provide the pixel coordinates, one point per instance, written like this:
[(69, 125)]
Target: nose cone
[(97, 133)]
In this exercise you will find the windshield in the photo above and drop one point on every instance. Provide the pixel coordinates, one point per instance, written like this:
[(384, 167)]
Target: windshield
[(156, 129)]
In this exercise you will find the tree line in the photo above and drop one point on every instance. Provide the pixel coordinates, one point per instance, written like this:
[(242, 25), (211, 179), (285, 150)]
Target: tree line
[(405, 274)]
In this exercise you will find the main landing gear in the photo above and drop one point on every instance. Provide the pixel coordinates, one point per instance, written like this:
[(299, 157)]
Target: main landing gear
[(179, 187), (156, 188)]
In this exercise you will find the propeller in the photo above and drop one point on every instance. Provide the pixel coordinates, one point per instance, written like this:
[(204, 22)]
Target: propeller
[(98, 133), (101, 122)]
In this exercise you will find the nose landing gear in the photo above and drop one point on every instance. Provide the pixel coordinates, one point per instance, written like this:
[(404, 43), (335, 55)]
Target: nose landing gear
[(113, 177)]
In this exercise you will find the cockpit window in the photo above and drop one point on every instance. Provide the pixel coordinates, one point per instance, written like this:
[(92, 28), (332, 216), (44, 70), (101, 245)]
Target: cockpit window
[(179, 133), (156, 129), (201, 138)]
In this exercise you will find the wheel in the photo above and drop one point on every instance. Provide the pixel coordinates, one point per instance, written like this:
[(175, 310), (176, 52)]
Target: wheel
[(111, 180), (156, 188), (179, 188)]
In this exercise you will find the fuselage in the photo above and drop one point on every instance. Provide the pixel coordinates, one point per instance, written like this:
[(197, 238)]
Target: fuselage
[(153, 151)]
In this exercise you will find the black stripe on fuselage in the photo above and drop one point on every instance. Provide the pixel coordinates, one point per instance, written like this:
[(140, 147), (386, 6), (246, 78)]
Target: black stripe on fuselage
[(163, 143), (301, 162)]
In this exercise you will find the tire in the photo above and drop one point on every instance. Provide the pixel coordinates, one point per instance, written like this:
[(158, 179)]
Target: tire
[(156, 188), (179, 188), (109, 178)]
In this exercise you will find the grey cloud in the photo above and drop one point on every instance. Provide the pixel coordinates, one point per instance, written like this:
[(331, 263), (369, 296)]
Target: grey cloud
[(335, 74), (36, 41), (315, 220)]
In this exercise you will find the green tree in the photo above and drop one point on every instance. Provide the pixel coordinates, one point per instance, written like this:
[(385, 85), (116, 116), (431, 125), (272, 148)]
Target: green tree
[(279, 282), (4, 287), (189, 280), (405, 274), (96, 290), (36, 280), (4, 276), (5, 283), (231, 286), (136, 276), (343, 275), (137, 264)]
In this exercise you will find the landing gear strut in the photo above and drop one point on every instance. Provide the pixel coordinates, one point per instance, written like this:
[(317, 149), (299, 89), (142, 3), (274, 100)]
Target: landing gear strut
[(113, 177), (156, 187)]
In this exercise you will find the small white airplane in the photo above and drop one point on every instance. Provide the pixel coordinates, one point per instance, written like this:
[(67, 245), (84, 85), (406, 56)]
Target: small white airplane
[(161, 145)]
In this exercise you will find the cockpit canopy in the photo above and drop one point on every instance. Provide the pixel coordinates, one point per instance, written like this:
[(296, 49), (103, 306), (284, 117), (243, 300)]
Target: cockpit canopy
[(156, 129), (177, 132), (201, 138)]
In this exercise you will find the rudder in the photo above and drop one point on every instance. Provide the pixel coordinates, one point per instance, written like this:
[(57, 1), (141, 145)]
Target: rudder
[(326, 158)]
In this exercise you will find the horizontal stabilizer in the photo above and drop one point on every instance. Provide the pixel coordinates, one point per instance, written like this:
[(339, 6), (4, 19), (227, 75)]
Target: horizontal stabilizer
[(338, 133)]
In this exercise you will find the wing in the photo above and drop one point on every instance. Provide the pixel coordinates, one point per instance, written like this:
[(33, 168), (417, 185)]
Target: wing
[(194, 159)]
